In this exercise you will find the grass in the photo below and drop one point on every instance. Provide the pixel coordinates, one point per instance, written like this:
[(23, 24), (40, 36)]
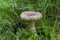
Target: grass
[(13, 28)]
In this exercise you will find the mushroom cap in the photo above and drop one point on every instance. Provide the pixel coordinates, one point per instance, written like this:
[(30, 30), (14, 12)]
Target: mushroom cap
[(30, 15)]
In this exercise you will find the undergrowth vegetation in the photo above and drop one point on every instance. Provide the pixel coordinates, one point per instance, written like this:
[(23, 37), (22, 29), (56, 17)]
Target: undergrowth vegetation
[(12, 27)]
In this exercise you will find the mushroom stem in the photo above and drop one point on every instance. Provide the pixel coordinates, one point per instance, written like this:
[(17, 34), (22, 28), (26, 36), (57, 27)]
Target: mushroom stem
[(32, 27)]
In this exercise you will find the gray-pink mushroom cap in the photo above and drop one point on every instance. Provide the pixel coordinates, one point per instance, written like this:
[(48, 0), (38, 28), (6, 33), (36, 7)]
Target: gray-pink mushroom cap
[(30, 15)]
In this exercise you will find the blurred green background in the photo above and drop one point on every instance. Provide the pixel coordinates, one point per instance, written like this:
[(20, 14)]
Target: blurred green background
[(13, 28)]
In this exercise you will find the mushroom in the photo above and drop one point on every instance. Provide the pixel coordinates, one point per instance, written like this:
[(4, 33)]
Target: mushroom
[(31, 16)]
